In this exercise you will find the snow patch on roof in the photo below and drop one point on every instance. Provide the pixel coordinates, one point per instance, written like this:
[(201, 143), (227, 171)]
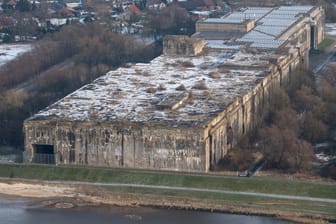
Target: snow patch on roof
[(133, 93)]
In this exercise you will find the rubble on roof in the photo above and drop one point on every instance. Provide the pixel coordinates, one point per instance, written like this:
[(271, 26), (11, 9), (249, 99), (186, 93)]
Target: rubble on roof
[(124, 94)]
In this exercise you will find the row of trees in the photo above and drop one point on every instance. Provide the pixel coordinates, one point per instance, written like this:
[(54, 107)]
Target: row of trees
[(170, 20), (58, 65), (21, 6), (297, 118)]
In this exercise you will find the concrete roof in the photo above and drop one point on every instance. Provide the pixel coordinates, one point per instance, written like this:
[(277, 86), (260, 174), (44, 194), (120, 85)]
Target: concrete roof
[(136, 94)]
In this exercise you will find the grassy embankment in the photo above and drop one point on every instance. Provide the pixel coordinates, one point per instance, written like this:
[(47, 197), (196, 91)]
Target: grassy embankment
[(256, 184), (326, 43)]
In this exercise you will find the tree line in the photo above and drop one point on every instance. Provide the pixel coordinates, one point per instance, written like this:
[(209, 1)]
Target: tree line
[(298, 116), (56, 66)]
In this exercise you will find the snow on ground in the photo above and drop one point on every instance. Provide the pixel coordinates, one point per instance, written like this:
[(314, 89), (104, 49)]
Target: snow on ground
[(330, 29), (9, 52), (323, 157)]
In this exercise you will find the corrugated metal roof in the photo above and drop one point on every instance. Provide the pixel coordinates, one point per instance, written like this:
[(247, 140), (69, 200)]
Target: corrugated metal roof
[(297, 8), (254, 13), (273, 24), (273, 31), (220, 44), (261, 40), (255, 35), (270, 23), (272, 44)]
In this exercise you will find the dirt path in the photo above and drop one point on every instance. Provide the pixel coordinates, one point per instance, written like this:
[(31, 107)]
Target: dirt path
[(36, 190), (68, 189)]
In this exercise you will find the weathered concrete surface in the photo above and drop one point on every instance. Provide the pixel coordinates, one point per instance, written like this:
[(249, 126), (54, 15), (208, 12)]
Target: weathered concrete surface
[(214, 25), (99, 144), (182, 45)]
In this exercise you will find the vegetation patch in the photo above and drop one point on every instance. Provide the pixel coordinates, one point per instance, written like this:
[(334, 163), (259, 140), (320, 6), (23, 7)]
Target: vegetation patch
[(181, 88), (327, 42), (200, 85), (62, 62), (298, 117), (265, 204)]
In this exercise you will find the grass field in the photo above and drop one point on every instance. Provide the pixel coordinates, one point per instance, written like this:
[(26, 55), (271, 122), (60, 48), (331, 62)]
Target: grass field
[(236, 203), (255, 184), (247, 201), (326, 43)]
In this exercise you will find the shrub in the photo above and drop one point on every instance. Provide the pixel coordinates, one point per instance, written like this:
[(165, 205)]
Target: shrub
[(181, 88), (151, 90), (186, 64), (200, 85), (214, 75), (161, 87)]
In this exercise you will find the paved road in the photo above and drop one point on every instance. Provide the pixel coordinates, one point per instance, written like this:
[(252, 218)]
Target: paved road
[(161, 187)]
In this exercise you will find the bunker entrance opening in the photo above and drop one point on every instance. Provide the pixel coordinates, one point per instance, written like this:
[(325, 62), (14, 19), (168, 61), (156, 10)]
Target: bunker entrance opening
[(44, 154), (312, 37)]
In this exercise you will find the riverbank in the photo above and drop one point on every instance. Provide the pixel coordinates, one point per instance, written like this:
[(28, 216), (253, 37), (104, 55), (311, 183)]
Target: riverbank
[(48, 194)]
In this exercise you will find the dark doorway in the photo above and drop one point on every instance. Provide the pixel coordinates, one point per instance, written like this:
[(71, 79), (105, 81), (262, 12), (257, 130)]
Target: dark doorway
[(44, 154), (211, 157), (312, 37)]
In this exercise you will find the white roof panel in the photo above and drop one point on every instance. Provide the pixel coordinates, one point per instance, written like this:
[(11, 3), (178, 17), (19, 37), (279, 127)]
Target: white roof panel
[(224, 20), (277, 22), (298, 8), (254, 13), (254, 36), (266, 45), (273, 24), (261, 40), (220, 44), (271, 30)]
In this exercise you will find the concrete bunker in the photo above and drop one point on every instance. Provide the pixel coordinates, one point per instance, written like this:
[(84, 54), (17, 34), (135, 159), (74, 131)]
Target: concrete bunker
[(170, 128)]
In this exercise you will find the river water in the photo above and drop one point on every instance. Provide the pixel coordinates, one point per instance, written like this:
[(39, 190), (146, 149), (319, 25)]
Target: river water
[(18, 211)]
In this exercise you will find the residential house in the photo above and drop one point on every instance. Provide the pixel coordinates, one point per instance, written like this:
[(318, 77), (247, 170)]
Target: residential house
[(200, 5), (155, 4), (6, 22)]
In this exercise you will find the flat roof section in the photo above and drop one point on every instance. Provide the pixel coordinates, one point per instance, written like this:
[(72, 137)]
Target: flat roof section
[(140, 93), (251, 13), (211, 35), (266, 32)]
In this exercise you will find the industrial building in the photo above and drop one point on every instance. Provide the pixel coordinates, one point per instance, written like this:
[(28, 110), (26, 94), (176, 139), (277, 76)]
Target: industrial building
[(185, 109)]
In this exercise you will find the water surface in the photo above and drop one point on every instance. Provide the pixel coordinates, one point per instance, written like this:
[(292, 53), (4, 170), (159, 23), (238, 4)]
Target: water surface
[(18, 211)]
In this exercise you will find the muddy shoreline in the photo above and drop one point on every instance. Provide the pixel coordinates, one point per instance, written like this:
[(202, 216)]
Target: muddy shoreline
[(61, 196)]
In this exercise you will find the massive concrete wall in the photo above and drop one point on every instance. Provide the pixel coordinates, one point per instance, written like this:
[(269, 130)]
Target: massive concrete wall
[(104, 144), (182, 45), (224, 131)]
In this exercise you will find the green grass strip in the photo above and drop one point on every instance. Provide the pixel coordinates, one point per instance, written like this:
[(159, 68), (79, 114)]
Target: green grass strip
[(325, 43), (105, 175)]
